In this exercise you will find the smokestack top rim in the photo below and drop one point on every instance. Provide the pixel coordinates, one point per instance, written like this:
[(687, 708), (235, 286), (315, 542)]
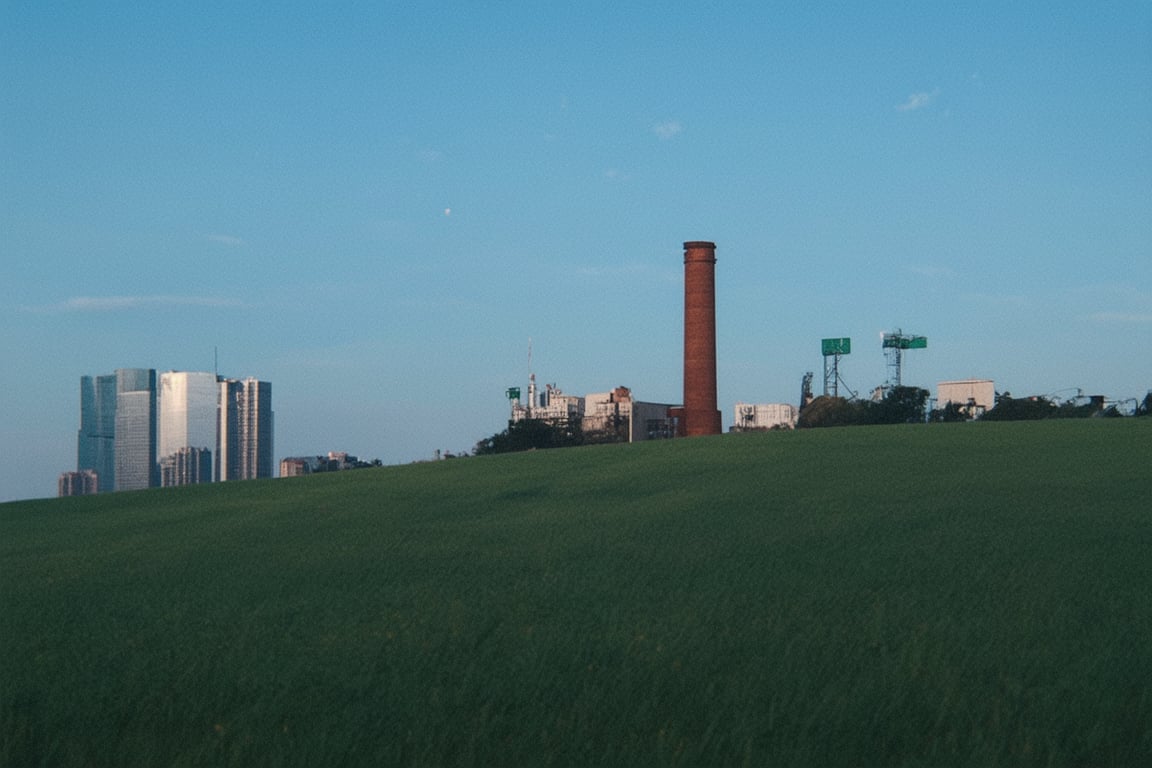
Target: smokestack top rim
[(695, 244)]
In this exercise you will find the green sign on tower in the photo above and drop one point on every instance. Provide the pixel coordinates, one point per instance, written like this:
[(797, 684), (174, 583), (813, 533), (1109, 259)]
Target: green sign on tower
[(835, 347)]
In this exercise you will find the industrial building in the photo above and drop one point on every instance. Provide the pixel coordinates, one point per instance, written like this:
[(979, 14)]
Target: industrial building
[(760, 417), (633, 421), (614, 415), (551, 405), (335, 461), (975, 397)]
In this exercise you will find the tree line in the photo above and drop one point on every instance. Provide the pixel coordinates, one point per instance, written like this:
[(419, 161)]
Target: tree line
[(909, 405)]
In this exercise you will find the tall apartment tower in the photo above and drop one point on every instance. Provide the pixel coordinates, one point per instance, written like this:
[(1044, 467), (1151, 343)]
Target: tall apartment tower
[(700, 412), (135, 441), (186, 466), (79, 483), (95, 441), (244, 434), (187, 404)]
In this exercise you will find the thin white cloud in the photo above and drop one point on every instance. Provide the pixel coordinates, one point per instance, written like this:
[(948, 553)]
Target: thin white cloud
[(225, 239), (918, 100), (119, 303), (667, 130)]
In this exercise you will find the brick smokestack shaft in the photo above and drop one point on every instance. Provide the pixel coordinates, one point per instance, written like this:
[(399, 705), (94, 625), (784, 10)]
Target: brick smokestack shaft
[(701, 416)]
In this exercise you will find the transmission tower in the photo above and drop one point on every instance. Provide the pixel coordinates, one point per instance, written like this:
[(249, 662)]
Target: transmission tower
[(894, 345), (832, 349)]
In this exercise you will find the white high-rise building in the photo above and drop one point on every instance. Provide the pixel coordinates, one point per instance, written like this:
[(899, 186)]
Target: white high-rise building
[(188, 412)]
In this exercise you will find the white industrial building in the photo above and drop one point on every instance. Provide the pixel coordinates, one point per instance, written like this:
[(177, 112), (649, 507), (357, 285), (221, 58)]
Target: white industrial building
[(633, 420), (974, 396), (552, 405), (605, 413), (758, 417)]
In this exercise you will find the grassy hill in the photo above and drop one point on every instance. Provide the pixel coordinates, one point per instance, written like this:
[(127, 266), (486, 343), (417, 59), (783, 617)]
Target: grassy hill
[(970, 594)]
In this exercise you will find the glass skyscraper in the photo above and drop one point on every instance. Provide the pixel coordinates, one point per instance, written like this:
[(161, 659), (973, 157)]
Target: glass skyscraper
[(187, 403), (95, 441), (135, 442), (244, 436)]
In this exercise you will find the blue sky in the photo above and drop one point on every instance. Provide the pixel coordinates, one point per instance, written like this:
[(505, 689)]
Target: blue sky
[(375, 206)]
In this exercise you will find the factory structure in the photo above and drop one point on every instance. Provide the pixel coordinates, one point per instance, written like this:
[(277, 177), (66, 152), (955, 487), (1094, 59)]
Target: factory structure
[(975, 397), (615, 416), (762, 417), (618, 416), (699, 413)]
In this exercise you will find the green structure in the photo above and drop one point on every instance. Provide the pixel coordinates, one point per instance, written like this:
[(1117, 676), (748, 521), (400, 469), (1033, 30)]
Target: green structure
[(832, 349), (894, 345)]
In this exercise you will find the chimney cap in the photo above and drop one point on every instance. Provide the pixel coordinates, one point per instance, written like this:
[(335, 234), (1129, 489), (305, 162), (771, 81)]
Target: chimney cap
[(691, 244)]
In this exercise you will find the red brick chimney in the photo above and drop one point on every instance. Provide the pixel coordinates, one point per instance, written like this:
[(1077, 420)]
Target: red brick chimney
[(701, 416)]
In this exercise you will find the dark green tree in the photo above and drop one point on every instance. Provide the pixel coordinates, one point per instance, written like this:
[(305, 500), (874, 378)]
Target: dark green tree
[(901, 405), (1010, 408), (530, 434), (828, 411)]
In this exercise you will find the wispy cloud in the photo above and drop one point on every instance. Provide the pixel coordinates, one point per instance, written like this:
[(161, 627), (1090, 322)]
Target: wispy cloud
[(667, 130), (121, 303), (225, 239), (918, 100)]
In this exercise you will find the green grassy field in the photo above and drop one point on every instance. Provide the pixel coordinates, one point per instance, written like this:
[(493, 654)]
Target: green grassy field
[(968, 594)]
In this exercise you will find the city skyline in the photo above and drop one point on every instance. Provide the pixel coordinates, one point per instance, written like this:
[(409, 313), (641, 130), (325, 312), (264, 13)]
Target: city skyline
[(377, 208), (139, 430)]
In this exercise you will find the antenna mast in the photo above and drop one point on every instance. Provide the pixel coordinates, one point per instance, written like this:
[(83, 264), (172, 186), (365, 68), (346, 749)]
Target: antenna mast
[(832, 349), (894, 345)]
